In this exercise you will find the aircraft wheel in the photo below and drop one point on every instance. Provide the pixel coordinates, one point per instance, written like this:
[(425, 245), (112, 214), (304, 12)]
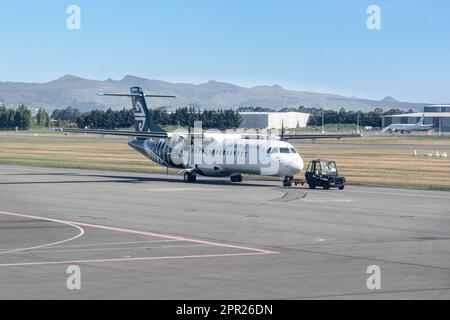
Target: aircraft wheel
[(190, 177), (287, 182), (237, 178)]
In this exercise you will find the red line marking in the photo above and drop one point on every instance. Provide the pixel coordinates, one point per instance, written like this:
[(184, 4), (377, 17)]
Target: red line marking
[(24, 264)]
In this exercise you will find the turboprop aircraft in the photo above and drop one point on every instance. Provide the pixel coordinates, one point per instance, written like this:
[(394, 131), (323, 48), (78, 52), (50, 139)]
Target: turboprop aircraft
[(211, 154)]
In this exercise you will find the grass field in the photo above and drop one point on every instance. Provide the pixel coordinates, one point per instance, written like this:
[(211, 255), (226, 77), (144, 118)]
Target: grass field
[(388, 166), (371, 160)]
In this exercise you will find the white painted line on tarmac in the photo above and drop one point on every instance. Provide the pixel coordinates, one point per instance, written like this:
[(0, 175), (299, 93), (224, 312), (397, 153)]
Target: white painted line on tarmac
[(80, 234), (253, 251)]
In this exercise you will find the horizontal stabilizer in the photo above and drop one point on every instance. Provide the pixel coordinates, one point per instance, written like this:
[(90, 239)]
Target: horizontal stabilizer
[(134, 95)]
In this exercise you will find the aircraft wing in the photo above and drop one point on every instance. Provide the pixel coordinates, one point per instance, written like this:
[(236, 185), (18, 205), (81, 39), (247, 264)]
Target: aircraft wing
[(118, 133), (304, 136), (314, 136)]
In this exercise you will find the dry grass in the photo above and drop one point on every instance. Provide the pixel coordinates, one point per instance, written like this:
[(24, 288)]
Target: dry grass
[(58, 150), (384, 164)]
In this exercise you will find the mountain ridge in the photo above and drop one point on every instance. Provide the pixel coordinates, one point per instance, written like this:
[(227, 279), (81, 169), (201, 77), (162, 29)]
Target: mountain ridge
[(77, 92)]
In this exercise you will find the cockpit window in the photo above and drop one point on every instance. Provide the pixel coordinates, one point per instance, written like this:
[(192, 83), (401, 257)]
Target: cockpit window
[(275, 150), (284, 150), (269, 150), (293, 150)]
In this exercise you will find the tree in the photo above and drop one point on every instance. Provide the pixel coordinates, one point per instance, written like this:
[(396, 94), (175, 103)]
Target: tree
[(42, 118), (109, 119), (23, 118), (68, 114)]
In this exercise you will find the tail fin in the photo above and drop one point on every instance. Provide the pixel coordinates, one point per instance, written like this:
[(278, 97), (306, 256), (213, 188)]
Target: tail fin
[(421, 121), (143, 120), (386, 129)]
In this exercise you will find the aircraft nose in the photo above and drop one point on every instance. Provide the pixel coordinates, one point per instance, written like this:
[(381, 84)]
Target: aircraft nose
[(292, 167), (296, 165)]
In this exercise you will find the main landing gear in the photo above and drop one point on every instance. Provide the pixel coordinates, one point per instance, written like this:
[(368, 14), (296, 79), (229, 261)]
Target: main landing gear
[(190, 177), (236, 178)]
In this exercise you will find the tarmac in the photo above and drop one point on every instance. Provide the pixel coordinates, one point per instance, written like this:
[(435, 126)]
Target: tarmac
[(152, 236)]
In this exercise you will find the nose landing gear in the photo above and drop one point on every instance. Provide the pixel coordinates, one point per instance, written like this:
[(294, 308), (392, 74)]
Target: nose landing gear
[(287, 181)]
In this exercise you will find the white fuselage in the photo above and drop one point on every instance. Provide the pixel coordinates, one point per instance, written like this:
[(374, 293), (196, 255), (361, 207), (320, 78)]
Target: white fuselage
[(224, 155), (407, 128)]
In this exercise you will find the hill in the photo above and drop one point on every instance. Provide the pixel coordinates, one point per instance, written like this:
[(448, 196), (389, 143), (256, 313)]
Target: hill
[(81, 93)]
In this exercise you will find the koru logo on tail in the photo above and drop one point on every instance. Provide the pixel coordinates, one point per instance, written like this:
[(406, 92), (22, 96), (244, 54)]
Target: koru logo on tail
[(139, 116)]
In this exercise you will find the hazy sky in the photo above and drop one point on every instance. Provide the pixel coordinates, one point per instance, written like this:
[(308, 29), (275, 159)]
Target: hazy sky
[(312, 45)]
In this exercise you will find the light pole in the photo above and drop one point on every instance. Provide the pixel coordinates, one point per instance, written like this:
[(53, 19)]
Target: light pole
[(323, 121), (357, 122)]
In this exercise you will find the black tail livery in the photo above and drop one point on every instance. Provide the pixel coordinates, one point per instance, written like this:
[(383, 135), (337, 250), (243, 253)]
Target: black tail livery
[(142, 117)]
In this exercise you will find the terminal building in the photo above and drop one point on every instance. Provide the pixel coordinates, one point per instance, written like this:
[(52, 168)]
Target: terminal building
[(438, 114), (274, 120)]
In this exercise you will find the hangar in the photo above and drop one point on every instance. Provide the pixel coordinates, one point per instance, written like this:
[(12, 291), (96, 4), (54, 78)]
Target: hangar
[(438, 114), (274, 120)]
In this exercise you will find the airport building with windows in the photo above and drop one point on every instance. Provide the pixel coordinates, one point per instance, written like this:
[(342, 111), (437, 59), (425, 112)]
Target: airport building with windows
[(438, 114), (274, 120)]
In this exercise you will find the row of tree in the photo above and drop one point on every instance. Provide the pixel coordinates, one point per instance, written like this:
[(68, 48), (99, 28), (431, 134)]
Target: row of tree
[(110, 119), (220, 119), (11, 118), (366, 119), (22, 118)]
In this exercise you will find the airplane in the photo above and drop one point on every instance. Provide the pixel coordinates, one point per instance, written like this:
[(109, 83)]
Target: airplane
[(402, 128), (211, 154)]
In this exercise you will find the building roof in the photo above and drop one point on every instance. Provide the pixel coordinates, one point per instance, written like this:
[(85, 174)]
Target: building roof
[(420, 114)]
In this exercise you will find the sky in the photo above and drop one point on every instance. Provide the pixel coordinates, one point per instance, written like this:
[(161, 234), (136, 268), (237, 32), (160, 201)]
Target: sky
[(307, 45)]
